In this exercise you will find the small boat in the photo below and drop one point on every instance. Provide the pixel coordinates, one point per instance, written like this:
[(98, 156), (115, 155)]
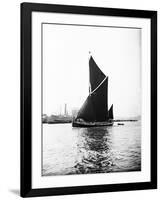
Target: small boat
[(120, 124), (94, 111)]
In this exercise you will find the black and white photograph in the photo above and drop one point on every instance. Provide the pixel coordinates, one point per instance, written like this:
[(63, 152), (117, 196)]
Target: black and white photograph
[(88, 104), (91, 99)]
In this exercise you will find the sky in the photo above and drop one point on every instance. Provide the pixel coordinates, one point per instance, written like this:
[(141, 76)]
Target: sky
[(117, 52)]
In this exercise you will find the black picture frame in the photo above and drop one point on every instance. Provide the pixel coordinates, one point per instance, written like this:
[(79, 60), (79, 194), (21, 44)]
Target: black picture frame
[(26, 96)]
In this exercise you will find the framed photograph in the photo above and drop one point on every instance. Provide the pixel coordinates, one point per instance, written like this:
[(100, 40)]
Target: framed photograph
[(88, 99)]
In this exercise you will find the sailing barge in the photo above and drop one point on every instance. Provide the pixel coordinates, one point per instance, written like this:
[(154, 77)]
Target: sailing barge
[(94, 111)]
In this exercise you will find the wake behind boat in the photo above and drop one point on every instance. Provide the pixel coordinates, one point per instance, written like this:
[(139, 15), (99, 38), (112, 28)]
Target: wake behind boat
[(94, 111)]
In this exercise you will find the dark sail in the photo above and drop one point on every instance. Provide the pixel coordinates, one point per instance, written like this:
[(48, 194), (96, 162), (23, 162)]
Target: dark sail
[(86, 112), (110, 112), (96, 76), (94, 111), (95, 107)]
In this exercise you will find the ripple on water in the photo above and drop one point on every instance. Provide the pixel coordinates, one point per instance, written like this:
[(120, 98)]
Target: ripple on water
[(68, 150)]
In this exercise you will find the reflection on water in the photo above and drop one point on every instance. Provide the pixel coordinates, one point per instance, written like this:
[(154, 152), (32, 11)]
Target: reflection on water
[(68, 150)]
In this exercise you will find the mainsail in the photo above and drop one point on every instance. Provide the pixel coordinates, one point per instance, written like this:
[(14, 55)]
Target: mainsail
[(86, 112), (94, 108), (110, 112)]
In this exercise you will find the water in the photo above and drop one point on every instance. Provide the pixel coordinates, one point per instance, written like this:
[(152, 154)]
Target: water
[(68, 150)]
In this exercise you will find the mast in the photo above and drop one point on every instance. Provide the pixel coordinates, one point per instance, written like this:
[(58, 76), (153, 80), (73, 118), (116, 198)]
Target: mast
[(65, 110)]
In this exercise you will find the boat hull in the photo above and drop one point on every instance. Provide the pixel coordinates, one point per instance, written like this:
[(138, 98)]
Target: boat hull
[(91, 124)]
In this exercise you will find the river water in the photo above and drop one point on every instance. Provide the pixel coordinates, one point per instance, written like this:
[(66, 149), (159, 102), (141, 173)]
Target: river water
[(68, 150)]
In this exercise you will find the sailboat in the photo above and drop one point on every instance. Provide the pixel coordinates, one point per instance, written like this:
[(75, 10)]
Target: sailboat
[(94, 111)]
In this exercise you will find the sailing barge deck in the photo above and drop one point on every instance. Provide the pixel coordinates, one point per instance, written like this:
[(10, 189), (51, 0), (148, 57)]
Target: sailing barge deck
[(91, 124)]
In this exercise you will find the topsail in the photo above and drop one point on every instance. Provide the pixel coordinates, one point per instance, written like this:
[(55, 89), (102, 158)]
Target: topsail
[(96, 76)]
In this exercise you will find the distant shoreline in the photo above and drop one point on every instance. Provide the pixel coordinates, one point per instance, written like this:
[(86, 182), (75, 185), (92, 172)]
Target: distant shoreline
[(63, 122), (70, 121), (125, 120)]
